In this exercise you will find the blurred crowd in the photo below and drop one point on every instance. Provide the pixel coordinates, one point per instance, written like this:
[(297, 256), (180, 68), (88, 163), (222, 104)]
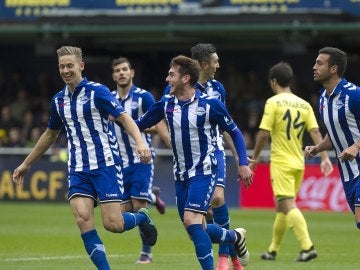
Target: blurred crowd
[(24, 110)]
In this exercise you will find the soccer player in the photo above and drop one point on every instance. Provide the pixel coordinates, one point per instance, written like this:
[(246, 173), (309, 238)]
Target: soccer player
[(208, 59), (193, 118), (138, 176), (340, 111), (285, 118), (83, 108)]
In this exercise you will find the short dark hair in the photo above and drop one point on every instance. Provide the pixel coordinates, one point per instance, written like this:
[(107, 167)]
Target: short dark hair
[(283, 74), (120, 60), (187, 66), (202, 52), (336, 57)]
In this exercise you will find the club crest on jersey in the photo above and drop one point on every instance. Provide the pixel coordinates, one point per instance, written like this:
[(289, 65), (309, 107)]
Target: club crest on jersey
[(339, 104), (200, 111), (84, 100)]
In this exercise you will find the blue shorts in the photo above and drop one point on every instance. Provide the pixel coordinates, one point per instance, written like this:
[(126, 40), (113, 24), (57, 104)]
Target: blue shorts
[(352, 193), (221, 161), (102, 184), (138, 180), (194, 194)]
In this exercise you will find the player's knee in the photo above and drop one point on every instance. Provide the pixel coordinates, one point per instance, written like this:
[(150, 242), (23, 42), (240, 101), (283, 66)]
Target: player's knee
[(84, 224), (217, 201), (113, 225)]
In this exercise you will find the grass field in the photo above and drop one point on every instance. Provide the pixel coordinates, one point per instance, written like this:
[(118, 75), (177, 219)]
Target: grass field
[(45, 236)]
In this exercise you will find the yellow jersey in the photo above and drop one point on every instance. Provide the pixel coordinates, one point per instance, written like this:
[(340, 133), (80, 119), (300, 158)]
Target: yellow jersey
[(286, 116)]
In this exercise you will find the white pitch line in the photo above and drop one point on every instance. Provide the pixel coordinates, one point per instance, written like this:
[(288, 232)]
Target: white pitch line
[(54, 258)]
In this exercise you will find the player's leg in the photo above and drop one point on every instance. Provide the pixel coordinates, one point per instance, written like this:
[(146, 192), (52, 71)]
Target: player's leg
[(83, 210), (221, 216), (192, 199), (357, 216), (280, 186), (141, 177), (201, 240), (235, 237), (106, 182), (294, 217), (156, 199), (82, 200), (300, 227), (352, 193), (279, 230)]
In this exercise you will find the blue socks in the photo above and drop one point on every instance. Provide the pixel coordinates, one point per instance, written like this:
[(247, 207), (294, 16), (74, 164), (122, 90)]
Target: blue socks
[(220, 235), (202, 245), (96, 250), (358, 225), (222, 219), (94, 246), (131, 220)]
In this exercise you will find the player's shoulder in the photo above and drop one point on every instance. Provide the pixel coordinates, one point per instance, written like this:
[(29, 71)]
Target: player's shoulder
[(59, 94), (167, 90), (142, 92), (212, 100), (273, 99), (217, 85), (96, 85), (167, 98), (216, 82), (349, 86), (98, 88), (299, 99)]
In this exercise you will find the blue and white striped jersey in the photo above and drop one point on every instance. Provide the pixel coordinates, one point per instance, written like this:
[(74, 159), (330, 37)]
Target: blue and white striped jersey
[(91, 136), (340, 113), (214, 88), (137, 102), (193, 131)]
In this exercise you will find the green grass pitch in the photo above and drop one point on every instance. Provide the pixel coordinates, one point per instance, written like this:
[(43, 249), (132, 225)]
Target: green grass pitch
[(45, 236)]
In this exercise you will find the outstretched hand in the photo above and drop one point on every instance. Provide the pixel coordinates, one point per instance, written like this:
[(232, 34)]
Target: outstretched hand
[(19, 174), (246, 175), (326, 167)]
